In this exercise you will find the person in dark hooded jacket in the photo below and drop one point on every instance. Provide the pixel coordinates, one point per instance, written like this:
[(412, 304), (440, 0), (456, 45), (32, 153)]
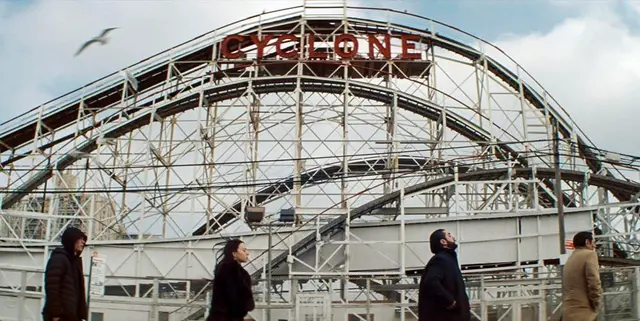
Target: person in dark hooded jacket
[(64, 280), (442, 293)]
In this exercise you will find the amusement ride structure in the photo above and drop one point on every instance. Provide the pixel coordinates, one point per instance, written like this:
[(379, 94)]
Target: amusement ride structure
[(333, 140)]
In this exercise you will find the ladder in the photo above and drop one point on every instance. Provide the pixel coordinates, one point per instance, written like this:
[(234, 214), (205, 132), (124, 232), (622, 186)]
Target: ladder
[(324, 8), (537, 133)]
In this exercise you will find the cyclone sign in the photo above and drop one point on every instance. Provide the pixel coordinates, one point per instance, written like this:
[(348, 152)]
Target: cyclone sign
[(346, 46)]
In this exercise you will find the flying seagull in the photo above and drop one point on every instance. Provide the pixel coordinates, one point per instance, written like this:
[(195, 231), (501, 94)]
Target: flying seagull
[(102, 39)]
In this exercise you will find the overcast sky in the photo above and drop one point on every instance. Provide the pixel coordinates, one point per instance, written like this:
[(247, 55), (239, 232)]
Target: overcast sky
[(585, 53)]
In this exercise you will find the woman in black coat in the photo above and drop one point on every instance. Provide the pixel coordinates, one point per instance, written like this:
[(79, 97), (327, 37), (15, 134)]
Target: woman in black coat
[(232, 297)]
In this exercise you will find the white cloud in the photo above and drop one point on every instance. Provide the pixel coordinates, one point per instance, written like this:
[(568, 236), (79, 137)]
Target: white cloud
[(37, 42), (40, 40), (589, 64), (635, 6)]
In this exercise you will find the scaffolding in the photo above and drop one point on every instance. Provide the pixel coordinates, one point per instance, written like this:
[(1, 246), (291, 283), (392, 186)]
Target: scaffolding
[(358, 118)]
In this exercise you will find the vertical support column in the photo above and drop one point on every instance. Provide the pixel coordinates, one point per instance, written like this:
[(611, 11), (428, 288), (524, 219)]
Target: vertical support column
[(92, 216), (558, 188), (149, 156), (297, 188), (23, 293), (456, 194), (52, 222), (443, 134), (4, 227), (635, 294), (403, 234), (204, 138), (138, 249), (390, 119), (403, 248), (524, 111), (368, 307), (264, 287), (395, 148), (34, 150), (403, 302), (542, 315), (487, 91), (392, 143), (23, 224), (53, 204), (479, 93), (536, 200), (516, 306), (433, 70), (268, 292), (211, 121), (293, 299), (255, 118), (512, 198), (155, 294), (574, 154), (168, 174), (252, 128), (189, 257), (122, 211), (604, 212), (345, 158), (158, 158), (430, 198), (207, 298), (248, 156), (433, 97), (548, 123), (584, 191)]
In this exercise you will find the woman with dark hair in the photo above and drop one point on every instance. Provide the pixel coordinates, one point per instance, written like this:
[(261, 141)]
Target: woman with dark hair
[(232, 297)]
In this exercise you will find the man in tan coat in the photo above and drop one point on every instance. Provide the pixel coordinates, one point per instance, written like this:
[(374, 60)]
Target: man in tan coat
[(581, 288)]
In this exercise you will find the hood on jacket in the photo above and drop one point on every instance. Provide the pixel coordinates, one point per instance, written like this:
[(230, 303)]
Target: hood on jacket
[(434, 241), (69, 238)]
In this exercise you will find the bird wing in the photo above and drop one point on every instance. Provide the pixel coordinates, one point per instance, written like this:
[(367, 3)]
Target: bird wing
[(105, 32), (85, 45)]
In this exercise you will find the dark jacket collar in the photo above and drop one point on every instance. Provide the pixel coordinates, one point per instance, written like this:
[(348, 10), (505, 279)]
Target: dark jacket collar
[(62, 250)]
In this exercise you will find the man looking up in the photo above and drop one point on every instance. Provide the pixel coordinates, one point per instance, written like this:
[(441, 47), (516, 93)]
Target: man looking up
[(64, 280), (581, 288), (442, 294)]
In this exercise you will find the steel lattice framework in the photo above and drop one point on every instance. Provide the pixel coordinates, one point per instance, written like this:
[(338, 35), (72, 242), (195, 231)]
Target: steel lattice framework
[(179, 145)]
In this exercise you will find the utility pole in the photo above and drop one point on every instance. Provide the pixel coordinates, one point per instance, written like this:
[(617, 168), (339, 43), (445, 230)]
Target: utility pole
[(269, 245), (558, 187)]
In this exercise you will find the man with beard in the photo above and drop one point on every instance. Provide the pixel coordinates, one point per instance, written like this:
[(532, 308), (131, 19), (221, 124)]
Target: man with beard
[(442, 295), (64, 280)]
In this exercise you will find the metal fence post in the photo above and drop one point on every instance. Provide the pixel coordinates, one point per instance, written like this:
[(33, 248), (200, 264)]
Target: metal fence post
[(23, 293), (635, 293), (155, 291)]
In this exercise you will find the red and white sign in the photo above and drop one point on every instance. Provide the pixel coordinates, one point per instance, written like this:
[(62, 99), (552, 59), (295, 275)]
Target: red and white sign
[(568, 244), (345, 45), (97, 277)]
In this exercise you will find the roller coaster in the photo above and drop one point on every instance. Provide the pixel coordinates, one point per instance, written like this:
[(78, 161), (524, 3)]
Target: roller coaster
[(356, 131)]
